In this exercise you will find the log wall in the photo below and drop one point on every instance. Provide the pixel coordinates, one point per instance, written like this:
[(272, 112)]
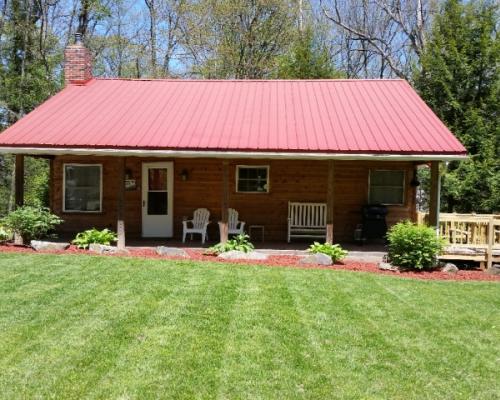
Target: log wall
[(289, 180)]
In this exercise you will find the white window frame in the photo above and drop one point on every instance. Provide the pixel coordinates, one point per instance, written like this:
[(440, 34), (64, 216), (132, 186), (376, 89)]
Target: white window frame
[(266, 167), (403, 186), (64, 188)]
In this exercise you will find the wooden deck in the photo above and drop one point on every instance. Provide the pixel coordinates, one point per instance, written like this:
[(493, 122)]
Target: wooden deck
[(474, 237)]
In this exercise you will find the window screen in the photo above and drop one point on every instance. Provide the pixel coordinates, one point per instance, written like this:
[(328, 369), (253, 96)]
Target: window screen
[(252, 179), (82, 188), (387, 187)]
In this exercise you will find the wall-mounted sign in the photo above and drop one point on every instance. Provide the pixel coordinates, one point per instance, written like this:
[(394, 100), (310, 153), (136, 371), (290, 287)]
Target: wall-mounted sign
[(130, 184)]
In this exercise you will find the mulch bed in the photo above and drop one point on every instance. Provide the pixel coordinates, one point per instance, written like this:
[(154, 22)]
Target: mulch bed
[(279, 261)]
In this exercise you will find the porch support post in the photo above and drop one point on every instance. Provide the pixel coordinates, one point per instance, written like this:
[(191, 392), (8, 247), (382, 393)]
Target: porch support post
[(19, 183), (434, 196), (19, 190), (51, 184), (330, 202), (120, 211), (223, 226)]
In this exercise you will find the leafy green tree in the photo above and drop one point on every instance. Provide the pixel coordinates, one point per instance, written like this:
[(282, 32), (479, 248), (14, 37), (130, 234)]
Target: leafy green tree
[(307, 58), (239, 39), (460, 80), (29, 59)]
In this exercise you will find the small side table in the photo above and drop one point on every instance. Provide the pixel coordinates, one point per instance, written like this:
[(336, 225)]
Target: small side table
[(256, 227)]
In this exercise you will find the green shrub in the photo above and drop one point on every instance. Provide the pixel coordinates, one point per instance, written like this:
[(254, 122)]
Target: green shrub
[(5, 234), (239, 243), (413, 246), (336, 252), (31, 222), (84, 239)]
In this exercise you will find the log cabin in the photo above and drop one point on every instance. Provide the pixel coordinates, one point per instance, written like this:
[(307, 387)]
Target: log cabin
[(140, 155)]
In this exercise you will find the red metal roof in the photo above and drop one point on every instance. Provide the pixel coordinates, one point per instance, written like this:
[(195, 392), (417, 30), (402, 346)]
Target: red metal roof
[(340, 116)]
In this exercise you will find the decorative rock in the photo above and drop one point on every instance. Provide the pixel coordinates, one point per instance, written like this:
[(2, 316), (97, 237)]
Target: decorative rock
[(51, 246), (317, 258), (450, 268), (385, 266), (494, 270), (171, 251), (103, 249), (241, 255)]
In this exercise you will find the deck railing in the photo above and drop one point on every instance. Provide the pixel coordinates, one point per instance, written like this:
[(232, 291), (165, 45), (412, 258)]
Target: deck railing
[(478, 232)]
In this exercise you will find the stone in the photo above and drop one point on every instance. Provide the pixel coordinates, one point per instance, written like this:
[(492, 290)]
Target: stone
[(241, 255), (494, 270), (104, 249), (450, 268), (171, 251), (50, 246), (385, 266), (317, 258)]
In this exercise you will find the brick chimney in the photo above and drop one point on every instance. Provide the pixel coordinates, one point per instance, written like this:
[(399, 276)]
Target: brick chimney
[(77, 63)]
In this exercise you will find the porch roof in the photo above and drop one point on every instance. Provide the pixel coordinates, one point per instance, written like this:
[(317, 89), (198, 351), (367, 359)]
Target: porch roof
[(323, 117)]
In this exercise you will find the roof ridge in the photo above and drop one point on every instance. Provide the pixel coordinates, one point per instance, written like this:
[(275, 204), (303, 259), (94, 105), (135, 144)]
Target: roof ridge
[(245, 80)]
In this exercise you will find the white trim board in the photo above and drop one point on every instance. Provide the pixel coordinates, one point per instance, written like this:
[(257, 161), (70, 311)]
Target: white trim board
[(228, 154)]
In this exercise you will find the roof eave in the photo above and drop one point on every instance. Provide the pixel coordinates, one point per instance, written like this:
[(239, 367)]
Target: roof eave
[(295, 155)]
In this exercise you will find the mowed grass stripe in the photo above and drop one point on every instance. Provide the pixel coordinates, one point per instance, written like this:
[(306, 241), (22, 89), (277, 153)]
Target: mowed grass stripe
[(126, 312), (267, 348), (32, 317), (182, 341), (450, 350), (342, 332)]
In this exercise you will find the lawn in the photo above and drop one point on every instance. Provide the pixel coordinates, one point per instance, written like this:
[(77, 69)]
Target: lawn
[(74, 327)]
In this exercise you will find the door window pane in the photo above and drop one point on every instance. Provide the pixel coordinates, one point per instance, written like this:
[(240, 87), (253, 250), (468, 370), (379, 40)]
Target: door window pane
[(157, 203), (82, 190), (157, 179)]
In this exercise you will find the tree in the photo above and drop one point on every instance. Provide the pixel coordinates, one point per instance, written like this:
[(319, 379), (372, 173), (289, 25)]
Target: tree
[(380, 38), (460, 80), (238, 39), (307, 59), (29, 57)]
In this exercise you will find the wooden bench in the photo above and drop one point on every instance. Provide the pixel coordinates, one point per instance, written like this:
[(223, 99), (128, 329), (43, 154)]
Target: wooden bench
[(306, 220)]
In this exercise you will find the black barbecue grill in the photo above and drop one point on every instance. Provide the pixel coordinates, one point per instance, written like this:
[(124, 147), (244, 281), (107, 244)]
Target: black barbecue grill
[(374, 223)]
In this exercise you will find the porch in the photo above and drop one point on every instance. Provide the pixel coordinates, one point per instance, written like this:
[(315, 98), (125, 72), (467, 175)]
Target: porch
[(126, 185)]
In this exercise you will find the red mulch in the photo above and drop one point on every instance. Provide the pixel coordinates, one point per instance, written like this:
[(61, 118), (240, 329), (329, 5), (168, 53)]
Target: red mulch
[(280, 261)]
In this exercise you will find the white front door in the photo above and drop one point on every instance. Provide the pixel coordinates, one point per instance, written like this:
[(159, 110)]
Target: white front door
[(157, 199)]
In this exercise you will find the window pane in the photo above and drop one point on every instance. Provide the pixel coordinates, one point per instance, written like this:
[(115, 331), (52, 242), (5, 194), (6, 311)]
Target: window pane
[(252, 179), (387, 178), (157, 203), (157, 179), (386, 195), (387, 187), (83, 188)]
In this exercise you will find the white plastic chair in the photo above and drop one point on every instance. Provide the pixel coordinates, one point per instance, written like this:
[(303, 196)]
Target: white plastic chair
[(235, 227), (198, 224)]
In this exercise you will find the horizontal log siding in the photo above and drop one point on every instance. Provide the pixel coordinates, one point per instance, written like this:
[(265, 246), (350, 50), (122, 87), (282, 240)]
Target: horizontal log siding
[(301, 181)]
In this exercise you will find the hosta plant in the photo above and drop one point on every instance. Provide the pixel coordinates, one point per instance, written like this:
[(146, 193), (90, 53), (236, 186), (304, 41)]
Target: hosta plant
[(336, 252), (238, 243), (84, 239)]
